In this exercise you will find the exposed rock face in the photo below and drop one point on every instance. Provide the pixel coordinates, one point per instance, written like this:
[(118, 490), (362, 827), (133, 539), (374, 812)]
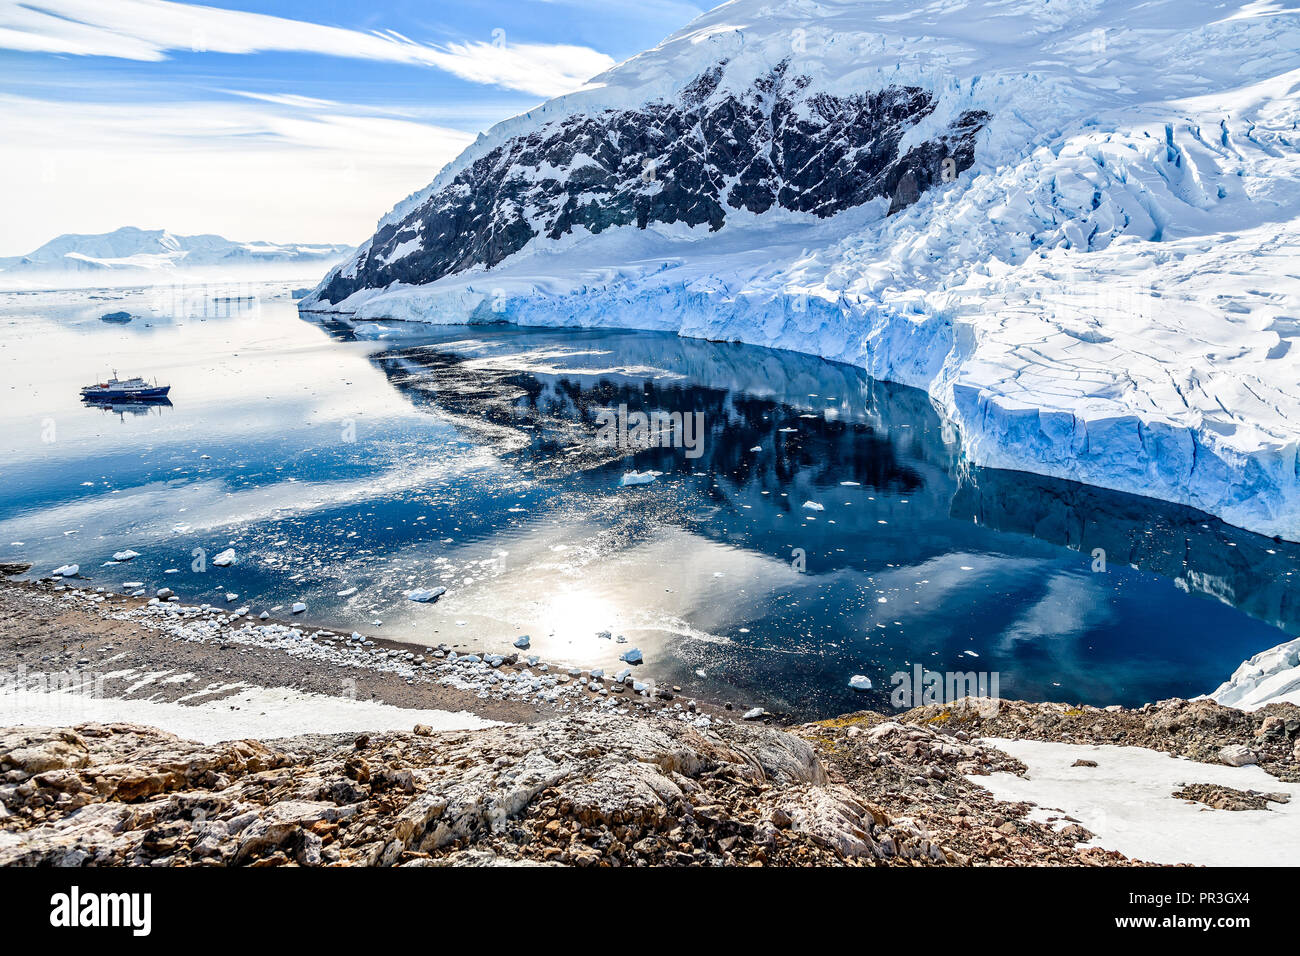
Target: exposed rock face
[(589, 786), (581, 790), (777, 144), (589, 790)]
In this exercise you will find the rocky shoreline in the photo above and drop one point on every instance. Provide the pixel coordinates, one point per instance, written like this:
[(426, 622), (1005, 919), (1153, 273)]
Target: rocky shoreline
[(571, 780)]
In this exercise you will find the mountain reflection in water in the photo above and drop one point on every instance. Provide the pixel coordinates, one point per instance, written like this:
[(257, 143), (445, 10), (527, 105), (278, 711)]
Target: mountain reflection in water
[(917, 557)]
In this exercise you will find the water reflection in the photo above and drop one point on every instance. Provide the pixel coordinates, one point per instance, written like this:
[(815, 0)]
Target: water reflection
[(133, 406), (345, 471), (914, 557)]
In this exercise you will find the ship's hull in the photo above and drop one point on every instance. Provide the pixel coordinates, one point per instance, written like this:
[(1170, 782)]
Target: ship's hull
[(152, 393)]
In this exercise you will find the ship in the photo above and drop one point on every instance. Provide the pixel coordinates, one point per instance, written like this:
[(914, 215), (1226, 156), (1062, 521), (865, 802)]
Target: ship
[(124, 390)]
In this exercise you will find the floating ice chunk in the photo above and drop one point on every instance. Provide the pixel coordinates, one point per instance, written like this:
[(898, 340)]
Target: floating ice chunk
[(298, 608), (814, 506), (231, 598), (425, 595), (851, 484), (126, 555), (348, 592), (132, 585), (860, 682), (633, 656), (638, 478), (522, 642), (225, 558), (66, 570), (970, 653), (757, 448), (264, 616)]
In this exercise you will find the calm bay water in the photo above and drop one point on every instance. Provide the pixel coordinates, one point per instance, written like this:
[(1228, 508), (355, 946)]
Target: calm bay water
[(345, 471)]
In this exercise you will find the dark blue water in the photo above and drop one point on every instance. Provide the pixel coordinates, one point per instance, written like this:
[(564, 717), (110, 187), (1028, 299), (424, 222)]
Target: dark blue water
[(471, 458)]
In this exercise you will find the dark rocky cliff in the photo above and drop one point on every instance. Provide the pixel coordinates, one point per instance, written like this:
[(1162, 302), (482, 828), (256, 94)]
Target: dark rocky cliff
[(779, 143)]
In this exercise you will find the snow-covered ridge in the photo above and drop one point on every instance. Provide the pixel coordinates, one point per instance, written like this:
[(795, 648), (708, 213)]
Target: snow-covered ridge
[(144, 250), (1271, 676), (1107, 293)]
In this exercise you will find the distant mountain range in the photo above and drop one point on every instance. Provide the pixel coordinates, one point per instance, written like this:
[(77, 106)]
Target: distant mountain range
[(156, 250)]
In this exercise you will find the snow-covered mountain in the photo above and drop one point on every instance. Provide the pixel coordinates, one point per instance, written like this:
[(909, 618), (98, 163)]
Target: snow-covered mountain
[(149, 250), (1075, 222)]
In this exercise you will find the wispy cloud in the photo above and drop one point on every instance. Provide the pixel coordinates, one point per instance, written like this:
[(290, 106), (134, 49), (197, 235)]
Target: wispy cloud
[(287, 171), (151, 29)]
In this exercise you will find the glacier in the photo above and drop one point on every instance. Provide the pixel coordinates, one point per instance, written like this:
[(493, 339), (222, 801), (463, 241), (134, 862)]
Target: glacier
[(1270, 677), (1106, 289)]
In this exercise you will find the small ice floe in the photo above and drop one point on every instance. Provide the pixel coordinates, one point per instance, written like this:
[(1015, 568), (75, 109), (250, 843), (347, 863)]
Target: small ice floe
[(757, 448), (264, 616), (425, 595), (633, 656), (631, 478), (788, 429), (348, 592), (126, 555), (851, 484), (814, 506), (522, 642), (132, 585), (970, 653), (297, 608), (231, 598), (225, 558), (66, 570), (164, 593), (860, 682)]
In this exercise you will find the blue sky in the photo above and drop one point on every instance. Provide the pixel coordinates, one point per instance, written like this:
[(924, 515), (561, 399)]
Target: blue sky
[(281, 120)]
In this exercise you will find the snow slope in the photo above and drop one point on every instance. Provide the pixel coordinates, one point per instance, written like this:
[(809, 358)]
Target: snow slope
[(1271, 676), (245, 712), (135, 250), (1107, 290), (1127, 801)]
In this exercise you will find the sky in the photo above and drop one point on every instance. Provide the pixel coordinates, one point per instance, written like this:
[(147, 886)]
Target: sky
[(279, 120)]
